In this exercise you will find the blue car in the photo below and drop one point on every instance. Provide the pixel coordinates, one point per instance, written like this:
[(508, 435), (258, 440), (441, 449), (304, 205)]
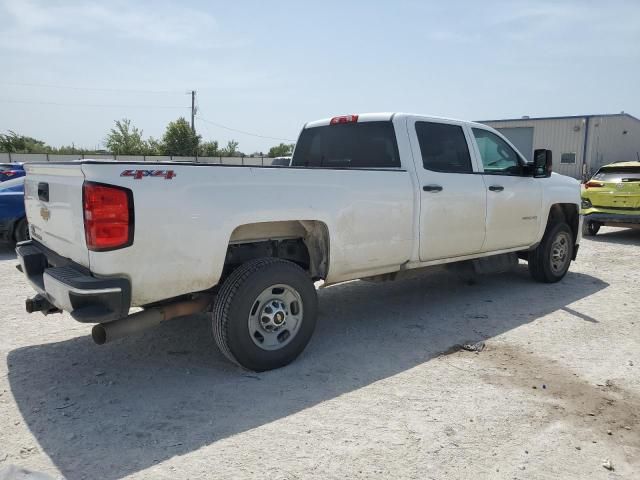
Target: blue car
[(9, 171), (13, 221)]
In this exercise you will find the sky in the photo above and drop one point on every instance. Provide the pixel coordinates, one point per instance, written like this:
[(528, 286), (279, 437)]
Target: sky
[(69, 69)]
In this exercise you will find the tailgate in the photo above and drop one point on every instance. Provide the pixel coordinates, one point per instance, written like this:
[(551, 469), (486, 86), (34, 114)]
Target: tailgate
[(53, 203)]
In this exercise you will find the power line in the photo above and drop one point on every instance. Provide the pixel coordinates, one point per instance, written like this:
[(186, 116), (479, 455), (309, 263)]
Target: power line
[(92, 89), (4, 100), (242, 131)]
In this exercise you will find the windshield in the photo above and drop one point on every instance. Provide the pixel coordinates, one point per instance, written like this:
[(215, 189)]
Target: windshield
[(618, 174), (14, 184)]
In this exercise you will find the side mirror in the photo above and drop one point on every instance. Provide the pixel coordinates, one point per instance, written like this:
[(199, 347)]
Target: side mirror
[(542, 163)]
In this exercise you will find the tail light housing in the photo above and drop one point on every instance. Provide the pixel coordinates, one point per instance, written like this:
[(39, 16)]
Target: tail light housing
[(593, 184), (108, 216)]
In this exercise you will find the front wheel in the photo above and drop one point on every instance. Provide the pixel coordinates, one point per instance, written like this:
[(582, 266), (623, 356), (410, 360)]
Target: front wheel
[(549, 262), (590, 229), (265, 314)]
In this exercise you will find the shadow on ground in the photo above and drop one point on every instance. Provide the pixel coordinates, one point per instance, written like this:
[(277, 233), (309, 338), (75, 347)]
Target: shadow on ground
[(7, 252), (626, 236), (107, 412)]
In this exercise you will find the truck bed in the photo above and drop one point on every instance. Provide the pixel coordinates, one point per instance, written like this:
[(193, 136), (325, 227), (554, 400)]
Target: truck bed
[(185, 220)]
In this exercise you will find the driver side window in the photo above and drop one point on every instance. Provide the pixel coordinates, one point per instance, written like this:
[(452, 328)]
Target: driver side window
[(498, 157)]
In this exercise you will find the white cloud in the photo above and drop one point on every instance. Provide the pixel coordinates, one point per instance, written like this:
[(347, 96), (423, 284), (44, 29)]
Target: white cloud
[(564, 28), (43, 26)]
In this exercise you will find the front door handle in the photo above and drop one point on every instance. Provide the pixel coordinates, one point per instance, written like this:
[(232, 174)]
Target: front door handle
[(432, 188), (496, 188)]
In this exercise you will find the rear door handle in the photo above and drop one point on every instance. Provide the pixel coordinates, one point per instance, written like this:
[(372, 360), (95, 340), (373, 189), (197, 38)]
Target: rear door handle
[(496, 188), (432, 188)]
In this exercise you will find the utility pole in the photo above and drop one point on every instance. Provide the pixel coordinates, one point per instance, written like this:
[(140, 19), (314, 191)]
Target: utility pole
[(193, 111)]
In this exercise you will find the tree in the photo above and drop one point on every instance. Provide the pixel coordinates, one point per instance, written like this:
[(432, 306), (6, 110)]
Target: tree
[(15, 143), (282, 150), (154, 147), (125, 139), (231, 149), (66, 150), (179, 139), (209, 149)]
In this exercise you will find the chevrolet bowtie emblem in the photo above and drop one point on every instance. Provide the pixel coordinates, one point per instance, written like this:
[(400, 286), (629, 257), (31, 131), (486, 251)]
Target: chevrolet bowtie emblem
[(45, 214)]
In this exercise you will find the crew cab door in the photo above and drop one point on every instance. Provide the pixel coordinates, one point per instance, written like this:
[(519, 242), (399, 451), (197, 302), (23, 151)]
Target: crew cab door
[(514, 200), (452, 193)]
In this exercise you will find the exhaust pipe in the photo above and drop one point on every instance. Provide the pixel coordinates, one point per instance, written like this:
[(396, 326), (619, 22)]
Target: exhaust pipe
[(151, 317)]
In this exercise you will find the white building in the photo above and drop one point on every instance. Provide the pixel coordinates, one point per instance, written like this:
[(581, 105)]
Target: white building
[(580, 144)]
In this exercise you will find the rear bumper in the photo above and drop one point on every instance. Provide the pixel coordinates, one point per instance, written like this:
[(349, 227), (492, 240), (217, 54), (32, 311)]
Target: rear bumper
[(72, 288), (613, 218)]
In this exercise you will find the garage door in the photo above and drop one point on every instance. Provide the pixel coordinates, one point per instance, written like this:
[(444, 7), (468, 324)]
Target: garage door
[(522, 138)]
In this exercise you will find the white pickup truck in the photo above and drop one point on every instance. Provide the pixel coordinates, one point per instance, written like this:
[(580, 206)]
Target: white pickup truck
[(366, 196)]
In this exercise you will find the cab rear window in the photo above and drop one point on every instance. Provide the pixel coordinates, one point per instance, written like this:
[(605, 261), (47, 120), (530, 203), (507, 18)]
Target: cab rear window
[(348, 145), (618, 174)]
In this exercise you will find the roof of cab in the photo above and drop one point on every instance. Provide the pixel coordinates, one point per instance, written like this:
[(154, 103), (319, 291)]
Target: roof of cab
[(386, 116)]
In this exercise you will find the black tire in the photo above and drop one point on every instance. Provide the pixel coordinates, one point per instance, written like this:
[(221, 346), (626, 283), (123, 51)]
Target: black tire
[(21, 231), (237, 300), (590, 229), (543, 264)]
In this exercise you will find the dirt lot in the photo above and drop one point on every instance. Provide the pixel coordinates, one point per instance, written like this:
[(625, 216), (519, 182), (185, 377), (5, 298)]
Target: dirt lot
[(382, 391)]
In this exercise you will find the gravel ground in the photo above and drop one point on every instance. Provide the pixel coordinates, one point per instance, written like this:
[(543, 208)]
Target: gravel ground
[(382, 391)]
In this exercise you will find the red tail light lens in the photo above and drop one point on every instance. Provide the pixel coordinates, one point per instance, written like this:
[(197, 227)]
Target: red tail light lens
[(344, 119), (108, 216), (593, 184)]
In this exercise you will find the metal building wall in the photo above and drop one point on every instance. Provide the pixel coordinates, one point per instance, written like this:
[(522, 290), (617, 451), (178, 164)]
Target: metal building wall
[(609, 143), (560, 135)]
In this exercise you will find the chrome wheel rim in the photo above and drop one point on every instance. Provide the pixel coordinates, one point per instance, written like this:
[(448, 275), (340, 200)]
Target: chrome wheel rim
[(560, 252), (275, 317)]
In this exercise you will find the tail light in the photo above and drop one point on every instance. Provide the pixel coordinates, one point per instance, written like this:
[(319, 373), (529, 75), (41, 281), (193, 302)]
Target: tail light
[(344, 119), (593, 184), (10, 173), (108, 216)]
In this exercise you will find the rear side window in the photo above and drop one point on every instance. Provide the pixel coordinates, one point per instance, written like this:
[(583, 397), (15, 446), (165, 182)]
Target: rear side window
[(444, 147), (348, 145)]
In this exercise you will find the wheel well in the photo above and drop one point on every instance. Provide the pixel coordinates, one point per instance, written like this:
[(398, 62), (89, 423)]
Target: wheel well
[(14, 228), (565, 212), (304, 242)]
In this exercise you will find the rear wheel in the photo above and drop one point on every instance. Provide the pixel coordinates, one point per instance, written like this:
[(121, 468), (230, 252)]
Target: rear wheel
[(21, 232), (265, 314), (590, 229), (549, 262)]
